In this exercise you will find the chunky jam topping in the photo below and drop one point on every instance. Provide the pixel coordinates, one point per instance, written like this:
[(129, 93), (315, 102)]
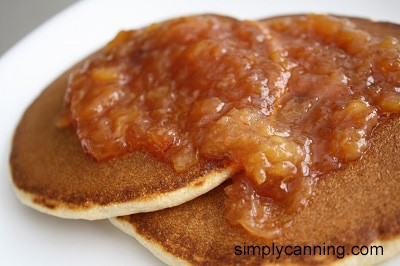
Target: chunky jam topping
[(286, 100)]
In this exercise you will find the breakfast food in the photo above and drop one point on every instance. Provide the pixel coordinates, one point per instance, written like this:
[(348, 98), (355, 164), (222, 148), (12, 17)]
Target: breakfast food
[(52, 174), (164, 114), (353, 206)]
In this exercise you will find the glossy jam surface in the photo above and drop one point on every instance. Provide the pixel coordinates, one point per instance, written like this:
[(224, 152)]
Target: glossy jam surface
[(287, 100)]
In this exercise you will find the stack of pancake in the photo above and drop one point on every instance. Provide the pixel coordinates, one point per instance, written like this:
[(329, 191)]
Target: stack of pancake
[(180, 217)]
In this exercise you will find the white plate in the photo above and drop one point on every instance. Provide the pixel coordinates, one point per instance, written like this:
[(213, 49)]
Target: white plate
[(29, 237)]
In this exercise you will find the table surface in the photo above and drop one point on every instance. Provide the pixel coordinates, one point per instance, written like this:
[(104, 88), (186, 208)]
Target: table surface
[(19, 17)]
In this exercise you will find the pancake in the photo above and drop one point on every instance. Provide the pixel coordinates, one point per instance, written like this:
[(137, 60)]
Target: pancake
[(52, 174), (356, 205)]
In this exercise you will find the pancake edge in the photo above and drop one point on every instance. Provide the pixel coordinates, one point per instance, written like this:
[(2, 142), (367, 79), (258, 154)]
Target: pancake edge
[(390, 246), (146, 204)]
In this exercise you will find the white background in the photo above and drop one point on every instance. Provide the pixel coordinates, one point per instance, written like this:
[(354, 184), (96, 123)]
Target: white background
[(19, 17), (29, 237)]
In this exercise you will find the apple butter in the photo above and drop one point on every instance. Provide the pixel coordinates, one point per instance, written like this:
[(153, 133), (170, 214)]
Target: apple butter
[(287, 100)]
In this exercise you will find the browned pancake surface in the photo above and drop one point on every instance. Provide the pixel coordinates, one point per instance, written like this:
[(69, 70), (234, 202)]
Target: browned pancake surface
[(353, 206), (49, 163)]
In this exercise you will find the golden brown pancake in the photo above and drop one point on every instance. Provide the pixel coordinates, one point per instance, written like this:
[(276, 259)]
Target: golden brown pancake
[(52, 174), (357, 205)]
